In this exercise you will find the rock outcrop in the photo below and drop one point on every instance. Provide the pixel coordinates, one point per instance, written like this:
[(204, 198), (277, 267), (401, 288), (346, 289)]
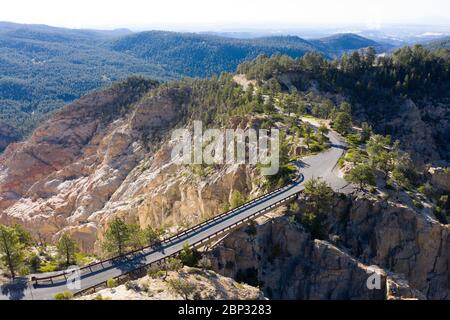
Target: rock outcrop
[(411, 250), (109, 154), (440, 178), (283, 259)]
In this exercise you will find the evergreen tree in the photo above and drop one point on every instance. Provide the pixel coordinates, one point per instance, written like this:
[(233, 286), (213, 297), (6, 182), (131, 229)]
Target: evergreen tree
[(323, 130), (343, 122), (117, 237), (151, 236), (187, 256), (319, 195), (11, 250), (67, 248), (366, 132), (362, 175), (137, 237)]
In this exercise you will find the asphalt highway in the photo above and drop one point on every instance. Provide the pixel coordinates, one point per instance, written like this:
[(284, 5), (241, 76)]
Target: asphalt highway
[(321, 165)]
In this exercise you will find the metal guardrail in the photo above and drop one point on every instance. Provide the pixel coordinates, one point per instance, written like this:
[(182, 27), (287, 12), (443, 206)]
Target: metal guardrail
[(227, 214)]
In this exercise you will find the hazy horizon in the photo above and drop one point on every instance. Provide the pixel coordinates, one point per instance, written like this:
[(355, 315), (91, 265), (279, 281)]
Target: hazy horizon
[(234, 15)]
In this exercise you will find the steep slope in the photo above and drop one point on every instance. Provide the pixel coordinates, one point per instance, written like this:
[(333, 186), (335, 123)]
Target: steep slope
[(109, 154), (7, 135), (405, 95), (288, 263)]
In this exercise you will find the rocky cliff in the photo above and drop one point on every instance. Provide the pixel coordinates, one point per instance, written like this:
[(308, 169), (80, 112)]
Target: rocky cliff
[(411, 250), (109, 154), (425, 123)]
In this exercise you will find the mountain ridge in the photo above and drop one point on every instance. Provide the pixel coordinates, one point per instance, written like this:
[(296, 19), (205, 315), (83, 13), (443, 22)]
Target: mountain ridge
[(43, 68)]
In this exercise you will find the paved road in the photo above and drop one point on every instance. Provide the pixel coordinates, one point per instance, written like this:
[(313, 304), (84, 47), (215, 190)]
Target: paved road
[(321, 165)]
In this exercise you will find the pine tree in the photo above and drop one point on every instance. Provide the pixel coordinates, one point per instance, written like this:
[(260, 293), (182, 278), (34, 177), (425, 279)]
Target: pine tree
[(67, 248), (11, 250), (343, 122), (362, 175), (117, 237)]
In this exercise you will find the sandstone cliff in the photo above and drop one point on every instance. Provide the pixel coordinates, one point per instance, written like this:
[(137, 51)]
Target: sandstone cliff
[(109, 154), (411, 249)]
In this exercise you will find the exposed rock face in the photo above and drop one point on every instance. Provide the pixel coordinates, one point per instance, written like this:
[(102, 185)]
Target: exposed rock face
[(397, 239), (412, 124), (288, 264), (73, 164), (92, 161), (440, 178), (412, 250)]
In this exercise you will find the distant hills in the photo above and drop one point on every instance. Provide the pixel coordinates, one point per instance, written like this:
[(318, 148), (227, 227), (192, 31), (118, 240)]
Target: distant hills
[(336, 45), (443, 43), (43, 68), (202, 55), (197, 55)]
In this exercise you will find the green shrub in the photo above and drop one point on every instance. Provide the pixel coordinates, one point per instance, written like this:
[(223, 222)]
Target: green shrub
[(195, 270), (314, 224), (82, 259), (316, 147), (49, 266), (100, 297), (153, 272), (34, 262), (353, 139), (66, 295), (111, 283), (291, 219), (187, 256)]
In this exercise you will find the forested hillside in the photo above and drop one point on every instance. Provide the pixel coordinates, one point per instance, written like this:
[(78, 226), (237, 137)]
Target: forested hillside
[(198, 55), (43, 68), (406, 94)]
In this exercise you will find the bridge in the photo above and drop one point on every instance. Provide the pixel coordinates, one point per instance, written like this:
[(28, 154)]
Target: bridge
[(95, 275)]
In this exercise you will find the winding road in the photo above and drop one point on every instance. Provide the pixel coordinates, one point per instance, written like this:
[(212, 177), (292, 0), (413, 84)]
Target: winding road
[(322, 165)]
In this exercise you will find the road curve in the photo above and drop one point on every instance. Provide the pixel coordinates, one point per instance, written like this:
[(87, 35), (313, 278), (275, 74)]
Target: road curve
[(321, 165)]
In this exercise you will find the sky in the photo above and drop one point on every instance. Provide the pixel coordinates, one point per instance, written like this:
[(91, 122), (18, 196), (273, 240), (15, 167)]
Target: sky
[(211, 14)]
